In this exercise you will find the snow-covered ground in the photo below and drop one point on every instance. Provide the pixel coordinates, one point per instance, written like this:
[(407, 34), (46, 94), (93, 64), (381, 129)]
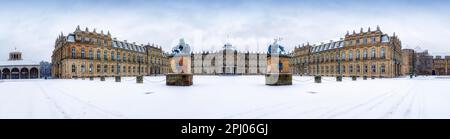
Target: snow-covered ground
[(226, 97)]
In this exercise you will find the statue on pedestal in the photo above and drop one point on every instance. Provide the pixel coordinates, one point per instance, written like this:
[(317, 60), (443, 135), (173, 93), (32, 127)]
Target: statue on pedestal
[(180, 63), (278, 72)]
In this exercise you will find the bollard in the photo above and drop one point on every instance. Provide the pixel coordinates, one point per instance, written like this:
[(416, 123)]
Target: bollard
[(339, 78), (91, 78), (318, 79), (102, 78), (140, 79), (353, 78), (118, 78)]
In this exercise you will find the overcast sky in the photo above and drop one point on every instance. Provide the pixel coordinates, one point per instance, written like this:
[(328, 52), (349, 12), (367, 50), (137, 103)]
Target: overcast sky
[(33, 25)]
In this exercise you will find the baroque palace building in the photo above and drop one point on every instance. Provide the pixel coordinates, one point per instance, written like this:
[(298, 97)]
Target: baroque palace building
[(371, 53), (229, 61), (92, 54)]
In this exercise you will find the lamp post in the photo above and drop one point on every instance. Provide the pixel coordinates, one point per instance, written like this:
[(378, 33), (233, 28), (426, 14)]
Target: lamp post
[(339, 76), (317, 78), (118, 78), (139, 78)]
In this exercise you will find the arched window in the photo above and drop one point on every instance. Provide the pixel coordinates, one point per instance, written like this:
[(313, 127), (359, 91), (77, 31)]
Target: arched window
[(90, 54), (343, 56), (365, 54), (74, 68), (98, 55), (383, 55), (73, 53), (82, 53), (105, 55), (112, 55), (372, 56), (118, 56), (350, 55), (357, 54)]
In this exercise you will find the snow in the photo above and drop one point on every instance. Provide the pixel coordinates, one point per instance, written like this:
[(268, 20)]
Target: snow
[(226, 97)]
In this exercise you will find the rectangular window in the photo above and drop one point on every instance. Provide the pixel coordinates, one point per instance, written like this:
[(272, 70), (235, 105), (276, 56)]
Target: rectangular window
[(82, 53), (73, 53), (98, 55), (112, 56), (74, 68), (105, 55), (90, 54)]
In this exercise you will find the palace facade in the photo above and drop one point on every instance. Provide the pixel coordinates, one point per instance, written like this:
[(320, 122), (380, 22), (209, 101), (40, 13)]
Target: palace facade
[(229, 61), (91, 54), (367, 53)]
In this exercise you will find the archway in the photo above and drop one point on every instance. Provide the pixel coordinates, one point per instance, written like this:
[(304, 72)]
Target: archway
[(15, 73), (6, 73), (34, 73), (24, 74)]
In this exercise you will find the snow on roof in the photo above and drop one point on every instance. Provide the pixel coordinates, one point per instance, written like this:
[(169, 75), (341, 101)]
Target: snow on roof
[(327, 46), (127, 46), (19, 63)]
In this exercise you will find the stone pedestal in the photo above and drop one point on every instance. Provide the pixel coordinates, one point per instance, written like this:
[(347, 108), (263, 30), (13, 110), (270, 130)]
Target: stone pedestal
[(140, 79), (277, 79), (353, 78), (102, 78), (118, 79), (179, 79), (339, 78)]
